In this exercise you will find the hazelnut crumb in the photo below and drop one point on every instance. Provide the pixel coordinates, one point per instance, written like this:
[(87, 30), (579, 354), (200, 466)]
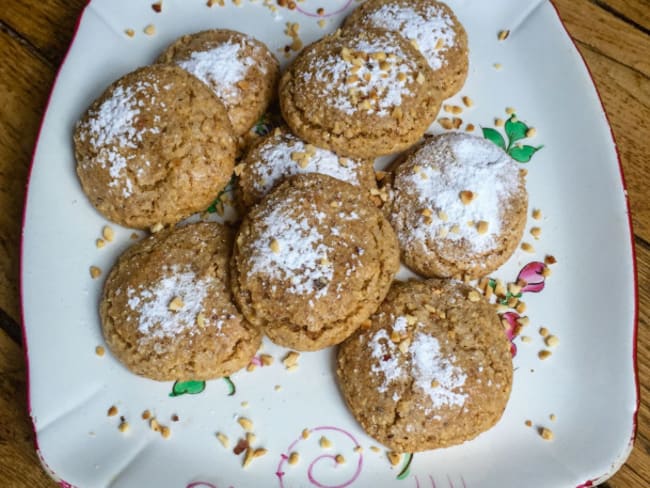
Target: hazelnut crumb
[(531, 132), (146, 415), (549, 259), (546, 272), (536, 232), (482, 227), (95, 272), (446, 123), (100, 351), (112, 411), (470, 127), (175, 418), (374, 449), (503, 34), (244, 404), (394, 458), (294, 457), (339, 459), (527, 247), (467, 196), (544, 354), (291, 359), (526, 339), (165, 432), (99, 243), (246, 424), (520, 307), (552, 341), (251, 367), (150, 30), (553, 417), (537, 214), (223, 439), (266, 359), (129, 32), (124, 426), (546, 434), (176, 304), (473, 296), (498, 122), (325, 443), (154, 425), (248, 457), (510, 110), (259, 452), (305, 433), (528, 423), (543, 331), (468, 102)]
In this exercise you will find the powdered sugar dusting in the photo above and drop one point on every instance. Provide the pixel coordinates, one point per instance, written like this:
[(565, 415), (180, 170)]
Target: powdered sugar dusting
[(221, 68), (275, 163), (365, 85), (385, 354), (432, 30), (442, 169), (156, 320), (301, 256), (113, 126), (436, 374)]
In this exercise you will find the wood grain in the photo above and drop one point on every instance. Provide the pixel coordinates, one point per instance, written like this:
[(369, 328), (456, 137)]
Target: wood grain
[(613, 36), (24, 85)]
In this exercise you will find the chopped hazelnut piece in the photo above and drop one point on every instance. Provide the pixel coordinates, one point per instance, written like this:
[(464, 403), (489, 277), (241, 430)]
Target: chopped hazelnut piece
[(95, 272), (503, 35), (546, 434), (291, 359), (467, 196), (100, 351), (531, 132), (544, 354), (536, 232), (528, 423), (176, 304), (223, 439), (468, 101), (99, 243), (537, 214), (498, 122), (294, 457), (129, 32), (548, 260), (124, 426), (525, 246), (552, 341), (394, 458), (150, 30), (305, 433), (324, 442), (339, 459), (482, 227), (112, 411), (146, 415), (246, 424), (275, 246)]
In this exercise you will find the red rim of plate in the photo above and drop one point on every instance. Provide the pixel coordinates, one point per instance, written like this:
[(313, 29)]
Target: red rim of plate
[(635, 329)]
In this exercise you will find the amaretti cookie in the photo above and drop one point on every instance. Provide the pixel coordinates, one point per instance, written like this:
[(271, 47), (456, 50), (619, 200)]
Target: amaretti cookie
[(458, 204), (430, 26), (239, 69), (156, 147), (312, 261), (433, 369), (281, 154), (360, 93), (166, 310)]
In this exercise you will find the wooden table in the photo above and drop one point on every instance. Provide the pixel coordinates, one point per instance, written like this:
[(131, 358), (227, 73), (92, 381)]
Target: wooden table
[(613, 36)]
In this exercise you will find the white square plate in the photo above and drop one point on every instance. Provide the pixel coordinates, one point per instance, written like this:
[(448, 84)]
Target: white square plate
[(588, 302)]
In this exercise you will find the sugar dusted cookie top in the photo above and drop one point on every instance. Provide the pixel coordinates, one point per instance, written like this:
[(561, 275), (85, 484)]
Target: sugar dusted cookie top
[(374, 90), (430, 26), (458, 206), (154, 148), (312, 260), (433, 368), (239, 69), (281, 155), (167, 311)]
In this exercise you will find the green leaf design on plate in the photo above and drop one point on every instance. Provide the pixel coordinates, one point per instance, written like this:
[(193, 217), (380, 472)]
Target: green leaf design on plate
[(406, 467), (515, 130), (523, 153), (231, 386), (187, 387), (492, 283), (228, 188), (494, 136)]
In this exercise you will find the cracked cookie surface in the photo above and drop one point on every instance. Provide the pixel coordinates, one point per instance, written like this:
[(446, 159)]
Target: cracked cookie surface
[(432, 370)]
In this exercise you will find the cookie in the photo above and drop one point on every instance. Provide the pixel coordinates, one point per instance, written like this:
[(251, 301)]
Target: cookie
[(312, 261), (156, 147), (166, 309), (281, 154), (360, 93), (433, 369), (239, 69), (458, 204), (430, 26)]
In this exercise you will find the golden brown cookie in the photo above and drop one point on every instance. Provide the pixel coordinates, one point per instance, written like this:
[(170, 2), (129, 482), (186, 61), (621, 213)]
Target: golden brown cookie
[(156, 147), (360, 93), (433, 370), (281, 155), (458, 206), (430, 26), (167, 312), (312, 261), (239, 69)]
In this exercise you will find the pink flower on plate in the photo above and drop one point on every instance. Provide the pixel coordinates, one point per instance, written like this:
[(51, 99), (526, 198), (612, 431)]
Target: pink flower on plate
[(511, 328), (533, 275), (587, 484)]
